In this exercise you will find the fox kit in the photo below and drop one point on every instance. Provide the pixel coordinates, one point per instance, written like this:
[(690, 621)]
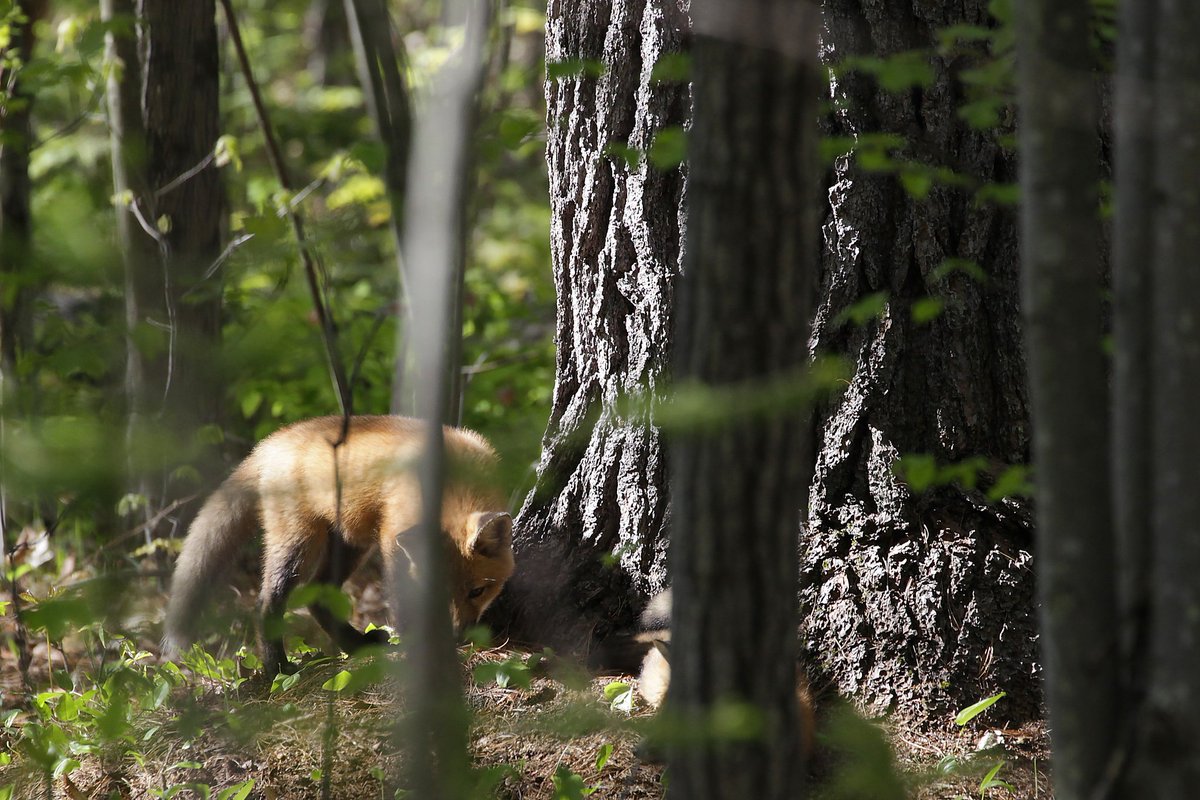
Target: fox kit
[(288, 487)]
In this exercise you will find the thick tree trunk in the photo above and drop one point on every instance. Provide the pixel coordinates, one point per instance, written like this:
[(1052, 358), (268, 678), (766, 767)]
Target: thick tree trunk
[(918, 603), (615, 234), (1061, 299), (743, 321)]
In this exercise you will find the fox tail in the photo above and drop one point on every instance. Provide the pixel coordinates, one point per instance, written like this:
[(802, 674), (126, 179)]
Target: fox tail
[(226, 520)]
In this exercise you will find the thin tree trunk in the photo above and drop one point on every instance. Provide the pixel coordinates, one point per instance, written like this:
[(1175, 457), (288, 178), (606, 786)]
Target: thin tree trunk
[(16, 271), (326, 34), (139, 253), (1133, 349), (743, 312), (615, 238), (17, 275), (1169, 717), (435, 730), (918, 602), (388, 103), (172, 302), (1060, 224)]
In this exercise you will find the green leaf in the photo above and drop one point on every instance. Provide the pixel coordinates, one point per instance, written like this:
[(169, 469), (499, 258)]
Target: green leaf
[(964, 265), (511, 671), (990, 781), (338, 682), (59, 616), (868, 308), (630, 155), (917, 183), (919, 471), (975, 709), (602, 755), (668, 148), (927, 309), (574, 68), (1013, 482), (1003, 194), (672, 68), (333, 599), (282, 682), (568, 785), (897, 72), (237, 792), (517, 125)]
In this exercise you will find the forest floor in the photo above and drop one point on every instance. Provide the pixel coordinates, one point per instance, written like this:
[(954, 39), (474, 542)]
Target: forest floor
[(553, 739), (539, 730)]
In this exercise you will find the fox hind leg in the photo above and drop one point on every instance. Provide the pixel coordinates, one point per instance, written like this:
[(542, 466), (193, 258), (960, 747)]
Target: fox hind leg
[(340, 560), (287, 561)]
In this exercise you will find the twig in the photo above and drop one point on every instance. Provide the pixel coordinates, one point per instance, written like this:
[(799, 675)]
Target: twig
[(150, 523), (328, 329)]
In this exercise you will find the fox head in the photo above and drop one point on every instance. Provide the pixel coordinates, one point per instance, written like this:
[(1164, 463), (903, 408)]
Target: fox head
[(481, 561)]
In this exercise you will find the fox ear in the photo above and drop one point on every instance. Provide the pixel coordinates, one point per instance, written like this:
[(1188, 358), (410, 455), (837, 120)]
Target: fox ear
[(492, 535)]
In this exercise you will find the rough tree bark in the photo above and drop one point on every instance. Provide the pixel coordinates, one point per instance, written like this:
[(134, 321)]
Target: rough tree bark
[(1062, 304), (743, 309), (918, 603), (615, 234)]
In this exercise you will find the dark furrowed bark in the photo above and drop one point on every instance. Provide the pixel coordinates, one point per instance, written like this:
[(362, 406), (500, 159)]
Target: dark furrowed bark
[(921, 603)]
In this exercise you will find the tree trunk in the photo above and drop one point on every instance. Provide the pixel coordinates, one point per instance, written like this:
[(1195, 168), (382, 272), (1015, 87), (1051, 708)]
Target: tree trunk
[(1168, 765), (173, 303), (743, 321), (1133, 370), (1061, 299), (615, 233), (327, 38), (435, 721), (920, 603), (16, 271)]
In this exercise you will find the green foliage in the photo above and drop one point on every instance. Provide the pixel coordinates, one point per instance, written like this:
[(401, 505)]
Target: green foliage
[(922, 472), (513, 671), (864, 760), (975, 709), (619, 696)]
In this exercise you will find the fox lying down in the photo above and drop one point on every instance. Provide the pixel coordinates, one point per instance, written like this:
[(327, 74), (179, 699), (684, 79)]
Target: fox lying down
[(287, 487)]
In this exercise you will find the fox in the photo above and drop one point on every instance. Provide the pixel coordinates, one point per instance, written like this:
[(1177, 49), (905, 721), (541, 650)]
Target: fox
[(312, 532)]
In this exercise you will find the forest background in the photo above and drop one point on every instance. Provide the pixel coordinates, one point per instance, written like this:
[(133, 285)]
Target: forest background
[(917, 578)]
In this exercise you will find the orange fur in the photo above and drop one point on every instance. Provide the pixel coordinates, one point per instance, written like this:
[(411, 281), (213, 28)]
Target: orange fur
[(289, 487)]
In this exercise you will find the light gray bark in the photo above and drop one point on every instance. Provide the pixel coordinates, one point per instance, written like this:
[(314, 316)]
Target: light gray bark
[(435, 722)]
